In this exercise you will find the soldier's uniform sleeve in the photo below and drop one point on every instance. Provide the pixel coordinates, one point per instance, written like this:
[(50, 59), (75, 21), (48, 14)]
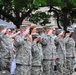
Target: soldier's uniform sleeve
[(74, 51), (33, 44), (10, 47), (1, 35), (30, 56), (66, 39), (43, 40), (19, 40), (56, 40), (5, 51), (4, 46)]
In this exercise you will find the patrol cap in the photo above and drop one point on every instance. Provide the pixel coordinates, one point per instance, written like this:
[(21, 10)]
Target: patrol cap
[(35, 35), (24, 27), (39, 28), (70, 29), (3, 26), (60, 30), (48, 26)]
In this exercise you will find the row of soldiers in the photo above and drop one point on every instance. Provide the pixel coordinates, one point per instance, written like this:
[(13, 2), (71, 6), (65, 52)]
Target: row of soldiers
[(39, 51)]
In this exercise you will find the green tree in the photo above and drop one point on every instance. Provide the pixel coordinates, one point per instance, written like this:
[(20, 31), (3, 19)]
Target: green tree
[(17, 10), (39, 17), (66, 10)]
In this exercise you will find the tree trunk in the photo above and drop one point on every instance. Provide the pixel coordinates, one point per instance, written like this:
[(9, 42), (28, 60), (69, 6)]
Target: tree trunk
[(65, 19), (18, 23), (16, 20), (57, 15)]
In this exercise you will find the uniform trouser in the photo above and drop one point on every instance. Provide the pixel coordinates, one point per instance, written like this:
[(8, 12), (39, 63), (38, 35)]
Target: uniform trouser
[(36, 70), (47, 67), (23, 69), (4, 64), (69, 64), (61, 67)]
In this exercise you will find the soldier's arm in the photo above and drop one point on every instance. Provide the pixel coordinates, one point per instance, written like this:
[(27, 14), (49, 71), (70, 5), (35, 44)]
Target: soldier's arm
[(74, 50), (43, 41), (34, 44), (1, 35), (19, 40), (55, 54), (66, 39), (6, 52)]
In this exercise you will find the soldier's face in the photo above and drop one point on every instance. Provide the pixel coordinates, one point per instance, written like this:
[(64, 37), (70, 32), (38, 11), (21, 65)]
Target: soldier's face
[(67, 34), (22, 30), (47, 30), (63, 34), (8, 31)]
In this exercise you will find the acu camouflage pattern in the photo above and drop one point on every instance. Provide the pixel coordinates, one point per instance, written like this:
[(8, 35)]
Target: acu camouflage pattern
[(6, 51), (70, 53), (49, 52), (70, 46), (24, 57), (61, 50), (37, 58)]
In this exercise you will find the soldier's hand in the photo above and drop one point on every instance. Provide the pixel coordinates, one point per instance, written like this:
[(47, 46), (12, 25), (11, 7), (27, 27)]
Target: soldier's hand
[(50, 32), (4, 30), (18, 32), (55, 57), (26, 32), (11, 59), (14, 51)]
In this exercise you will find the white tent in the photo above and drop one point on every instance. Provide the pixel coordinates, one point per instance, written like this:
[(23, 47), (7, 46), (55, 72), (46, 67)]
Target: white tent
[(9, 25)]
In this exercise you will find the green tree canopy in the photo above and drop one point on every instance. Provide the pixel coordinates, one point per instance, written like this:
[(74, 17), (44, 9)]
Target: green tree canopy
[(39, 17), (17, 10), (65, 13)]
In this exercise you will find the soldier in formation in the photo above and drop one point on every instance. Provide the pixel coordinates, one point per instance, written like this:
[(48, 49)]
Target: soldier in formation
[(6, 52), (39, 51), (23, 55), (70, 50), (49, 52), (37, 55)]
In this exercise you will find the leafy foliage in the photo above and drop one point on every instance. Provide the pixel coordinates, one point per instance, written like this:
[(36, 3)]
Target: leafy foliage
[(40, 17), (17, 10)]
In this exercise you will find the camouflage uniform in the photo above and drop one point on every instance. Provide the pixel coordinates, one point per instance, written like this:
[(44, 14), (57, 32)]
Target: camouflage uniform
[(70, 53), (49, 52), (60, 45), (23, 57), (37, 55), (6, 51)]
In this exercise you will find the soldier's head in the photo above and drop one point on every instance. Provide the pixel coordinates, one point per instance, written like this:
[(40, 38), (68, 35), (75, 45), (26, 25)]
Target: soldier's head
[(61, 32), (69, 32), (39, 29), (48, 27), (3, 28), (24, 28), (36, 37), (9, 31)]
